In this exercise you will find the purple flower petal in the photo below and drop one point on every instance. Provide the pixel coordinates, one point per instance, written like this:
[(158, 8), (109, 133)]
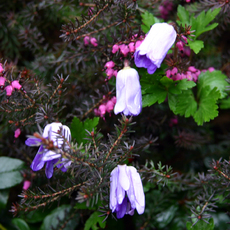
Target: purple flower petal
[(113, 188), (33, 141), (37, 162), (50, 155), (121, 208)]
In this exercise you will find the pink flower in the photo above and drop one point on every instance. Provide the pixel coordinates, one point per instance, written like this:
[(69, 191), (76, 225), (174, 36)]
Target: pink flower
[(131, 47), (26, 184), (109, 64), (184, 38), (211, 69), (17, 133), (174, 71), (1, 68), (93, 41), (2, 82), (109, 72), (137, 44), (109, 106), (168, 73), (9, 89), (124, 49), (115, 73), (102, 110), (192, 69), (86, 40), (115, 49), (180, 45), (15, 84)]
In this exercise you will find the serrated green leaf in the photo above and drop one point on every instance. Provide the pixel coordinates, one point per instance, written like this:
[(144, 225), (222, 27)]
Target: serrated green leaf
[(93, 220), (78, 128), (20, 224), (196, 46), (148, 20), (186, 104), (10, 172), (225, 103), (207, 107), (214, 79), (183, 15), (200, 23)]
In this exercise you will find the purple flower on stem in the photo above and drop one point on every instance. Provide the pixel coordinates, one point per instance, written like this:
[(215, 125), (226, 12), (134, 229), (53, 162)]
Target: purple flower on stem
[(155, 46), (49, 157), (126, 191), (128, 92)]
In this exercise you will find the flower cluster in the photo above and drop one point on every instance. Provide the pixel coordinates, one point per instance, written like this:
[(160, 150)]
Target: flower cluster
[(126, 191), (88, 40), (107, 106), (165, 8), (155, 46), (128, 92), (110, 72), (45, 156)]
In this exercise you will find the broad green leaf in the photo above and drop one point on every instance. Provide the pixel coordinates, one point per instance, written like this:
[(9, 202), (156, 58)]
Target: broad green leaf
[(183, 15), (78, 128), (10, 172), (225, 103), (164, 218), (196, 46), (36, 215), (186, 104), (20, 224), (214, 79), (93, 220), (148, 20), (4, 195), (207, 107), (57, 215), (201, 225)]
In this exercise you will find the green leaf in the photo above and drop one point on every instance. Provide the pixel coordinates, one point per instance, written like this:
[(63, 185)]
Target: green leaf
[(4, 195), (196, 46), (201, 225), (207, 108), (186, 104), (9, 172), (36, 215), (78, 128), (225, 103), (51, 221), (183, 15), (148, 20), (164, 218), (200, 23), (91, 223), (214, 79), (20, 224)]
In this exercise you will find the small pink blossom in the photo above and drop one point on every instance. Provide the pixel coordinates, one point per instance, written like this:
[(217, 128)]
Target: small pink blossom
[(102, 110), (109, 72), (115, 73), (9, 89), (211, 69), (124, 49), (93, 41), (192, 69), (15, 84), (26, 184), (115, 48), (131, 47), (180, 45), (1, 68), (109, 106), (17, 133), (184, 38), (197, 73), (174, 71), (86, 40), (173, 121), (109, 64), (168, 73), (114, 99), (137, 44), (2, 81)]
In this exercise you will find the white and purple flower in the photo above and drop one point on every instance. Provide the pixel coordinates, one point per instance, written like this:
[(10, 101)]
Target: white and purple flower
[(126, 191), (49, 157), (128, 92), (155, 46)]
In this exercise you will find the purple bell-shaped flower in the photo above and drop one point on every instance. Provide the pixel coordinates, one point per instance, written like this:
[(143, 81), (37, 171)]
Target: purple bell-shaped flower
[(155, 46), (128, 92), (48, 156), (126, 191)]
